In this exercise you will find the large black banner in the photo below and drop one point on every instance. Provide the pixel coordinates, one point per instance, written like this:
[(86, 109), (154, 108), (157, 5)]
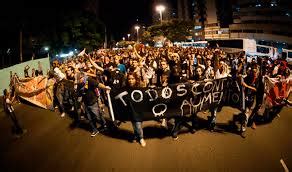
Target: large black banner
[(142, 104)]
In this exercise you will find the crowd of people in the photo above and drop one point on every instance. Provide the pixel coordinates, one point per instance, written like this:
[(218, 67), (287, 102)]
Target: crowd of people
[(80, 83)]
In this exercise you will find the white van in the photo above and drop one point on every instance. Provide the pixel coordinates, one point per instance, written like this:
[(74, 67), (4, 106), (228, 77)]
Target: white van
[(288, 54)]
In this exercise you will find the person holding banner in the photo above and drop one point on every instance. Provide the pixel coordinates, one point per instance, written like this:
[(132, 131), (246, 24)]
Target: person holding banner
[(250, 84), (221, 71), (133, 82)]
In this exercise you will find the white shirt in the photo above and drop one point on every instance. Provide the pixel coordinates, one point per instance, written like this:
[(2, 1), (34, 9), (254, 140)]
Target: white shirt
[(59, 74), (9, 106)]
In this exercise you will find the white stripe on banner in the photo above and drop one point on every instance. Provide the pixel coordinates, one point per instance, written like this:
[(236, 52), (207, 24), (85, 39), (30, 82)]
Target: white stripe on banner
[(284, 165)]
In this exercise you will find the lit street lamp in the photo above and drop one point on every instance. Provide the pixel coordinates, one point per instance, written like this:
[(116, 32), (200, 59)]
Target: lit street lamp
[(160, 9), (47, 50), (137, 28), (129, 36)]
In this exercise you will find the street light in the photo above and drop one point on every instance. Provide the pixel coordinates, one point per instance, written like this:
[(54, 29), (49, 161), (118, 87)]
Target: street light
[(160, 9), (47, 50), (137, 28), (129, 36)]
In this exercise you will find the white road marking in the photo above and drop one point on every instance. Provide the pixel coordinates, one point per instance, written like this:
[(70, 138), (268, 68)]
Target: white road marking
[(284, 165)]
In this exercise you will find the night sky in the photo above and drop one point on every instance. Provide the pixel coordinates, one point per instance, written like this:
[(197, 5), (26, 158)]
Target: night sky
[(119, 15)]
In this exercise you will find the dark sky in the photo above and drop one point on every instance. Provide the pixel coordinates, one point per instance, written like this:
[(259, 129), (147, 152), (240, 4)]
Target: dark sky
[(122, 15), (119, 15)]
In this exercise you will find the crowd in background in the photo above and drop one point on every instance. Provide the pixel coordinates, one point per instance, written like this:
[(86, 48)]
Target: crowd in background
[(82, 81)]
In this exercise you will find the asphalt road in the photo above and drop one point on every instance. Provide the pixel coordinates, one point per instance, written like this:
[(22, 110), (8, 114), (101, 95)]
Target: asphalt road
[(51, 145)]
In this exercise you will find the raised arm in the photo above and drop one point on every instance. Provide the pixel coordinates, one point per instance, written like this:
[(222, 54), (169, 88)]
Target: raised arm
[(94, 64), (136, 53)]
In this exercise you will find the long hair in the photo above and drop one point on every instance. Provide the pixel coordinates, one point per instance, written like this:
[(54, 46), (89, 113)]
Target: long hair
[(136, 78)]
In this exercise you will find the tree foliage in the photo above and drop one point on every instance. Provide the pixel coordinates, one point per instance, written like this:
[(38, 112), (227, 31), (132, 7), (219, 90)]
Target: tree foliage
[(174, 30), (81, 30)]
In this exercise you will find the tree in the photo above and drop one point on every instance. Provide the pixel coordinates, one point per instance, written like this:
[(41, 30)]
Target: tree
[(174, 30), (146, 37), (82, 30)]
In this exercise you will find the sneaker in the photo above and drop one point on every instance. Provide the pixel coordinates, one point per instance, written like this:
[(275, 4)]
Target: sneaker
[(63, 114), (134, 140), (175, 137), (253, 126), (193, 131), (243, 134), (142, 142), (94, 133), (164, 123), (212, 127)]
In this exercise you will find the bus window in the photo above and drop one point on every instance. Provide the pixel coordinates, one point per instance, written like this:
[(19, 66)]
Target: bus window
[(264, 50)]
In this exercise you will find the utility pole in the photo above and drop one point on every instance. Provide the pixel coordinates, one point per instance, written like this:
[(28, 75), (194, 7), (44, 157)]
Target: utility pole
[(20, 45), (105, 38)]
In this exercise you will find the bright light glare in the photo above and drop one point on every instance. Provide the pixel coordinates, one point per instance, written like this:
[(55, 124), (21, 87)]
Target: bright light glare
[(63, 55), (160, 8), (137, 27), (46, 48)]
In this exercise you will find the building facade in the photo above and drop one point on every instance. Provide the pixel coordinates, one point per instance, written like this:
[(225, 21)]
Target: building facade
[(267, 21)]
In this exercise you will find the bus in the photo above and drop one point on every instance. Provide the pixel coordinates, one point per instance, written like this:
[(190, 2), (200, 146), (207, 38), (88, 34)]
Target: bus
[(288, 55), (198, 44), (250, 47)]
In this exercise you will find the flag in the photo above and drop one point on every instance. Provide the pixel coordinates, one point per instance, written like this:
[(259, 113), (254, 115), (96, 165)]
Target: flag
[(277, 89)]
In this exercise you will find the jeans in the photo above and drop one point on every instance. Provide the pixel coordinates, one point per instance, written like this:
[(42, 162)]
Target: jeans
[(18, 129), (179, 123), (138, 131), (59, 92), (213, 115), (93, 115)]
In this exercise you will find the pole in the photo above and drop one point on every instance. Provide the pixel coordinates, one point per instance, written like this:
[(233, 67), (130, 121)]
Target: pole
[(243, 95), (105, 38), (137, 35), (20, 45), (160, 12), (110, 106)]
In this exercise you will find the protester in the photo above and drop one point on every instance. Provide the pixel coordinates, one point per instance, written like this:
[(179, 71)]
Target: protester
[(86, 88), (148, 67), (133, 82), (8, 107), (26, 68), (40, 68), (249, 84)]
